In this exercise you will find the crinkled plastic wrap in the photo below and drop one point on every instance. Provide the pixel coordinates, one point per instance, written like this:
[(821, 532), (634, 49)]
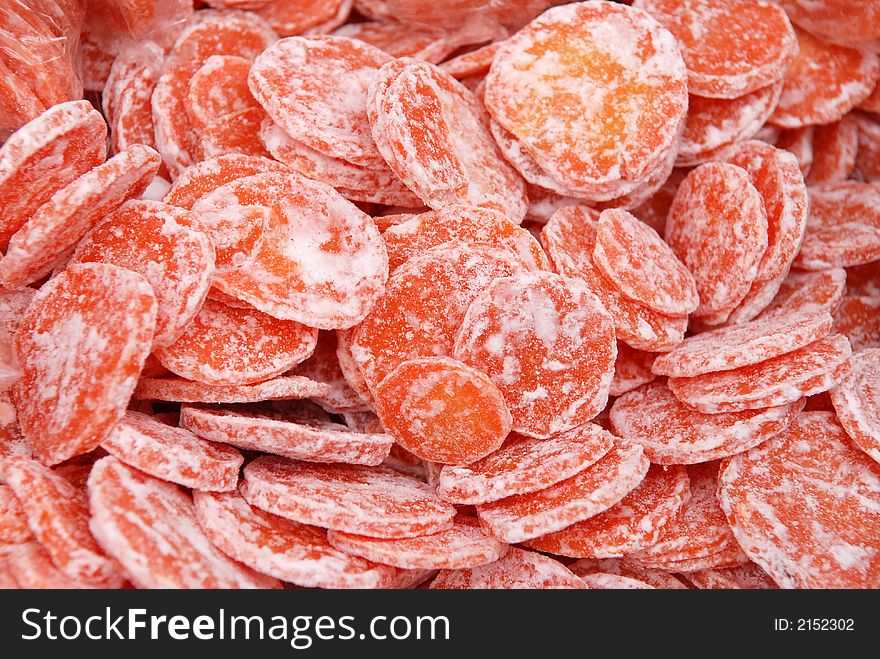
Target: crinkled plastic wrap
[(38, 55)]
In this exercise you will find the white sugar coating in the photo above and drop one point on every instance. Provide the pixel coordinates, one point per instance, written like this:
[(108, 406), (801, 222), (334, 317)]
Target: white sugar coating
[(434, 134), (176, 139), (741, 345), (587, 493), (81, 345), (605, 581), (318, 442), (730, 554), (224, 345), (569, 237), (150, 527), (805, 506), (642, 266), (671, 433), (518, 569), (549, 87), (126, 96), (808, 291), (424, 304), (200, 179), (714, 124), (13, 303), (46, 154), (57, 514), (633, 524), (461, 546), (537, 333), (66, 217), (700, 530), (180, 390), (173, 454), (777, 381), (369, 501), (717, 226), (327, 169), (524, 466), (627, 568), (843, 228), (824, 82), (315, 89), (322, 261), (155, 240), (286, 550), (857, 402), (324, 367), (731, 47)]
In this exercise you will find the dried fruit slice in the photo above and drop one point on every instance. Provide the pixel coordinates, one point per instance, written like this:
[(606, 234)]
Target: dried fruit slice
[(785, 379), (433, 133), (13, 520), (30, 566), (58, 515), (289, 551), (312, 442), (223, 345), (198, 180), (45, 155), (843, 228), (743, 577), (831, 543), (146, 237), (238, 132), (547, 343), (524, 465), (700, 530), (857, 402), (424, 304), (369, 501), (858, 317), (632, 369), (126, 96), (836, 20), (587, 129), (742, 345), (627, 568), (472, 63), (834, 151), (633, 524), (443, 410), (44, 240), (179, 390), (150, 527), (219, 89), (462, 546), (671, 433), (469, 224), (642, 266), (173, 454), (425, 42), (586, 494), (322, 261), (518, 569), (714, 125), (777, 178), (81, 345), (303, 16), (803, 291), (824, 82), (569, 237), (713, 202), (315, 90), (731, 47)]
